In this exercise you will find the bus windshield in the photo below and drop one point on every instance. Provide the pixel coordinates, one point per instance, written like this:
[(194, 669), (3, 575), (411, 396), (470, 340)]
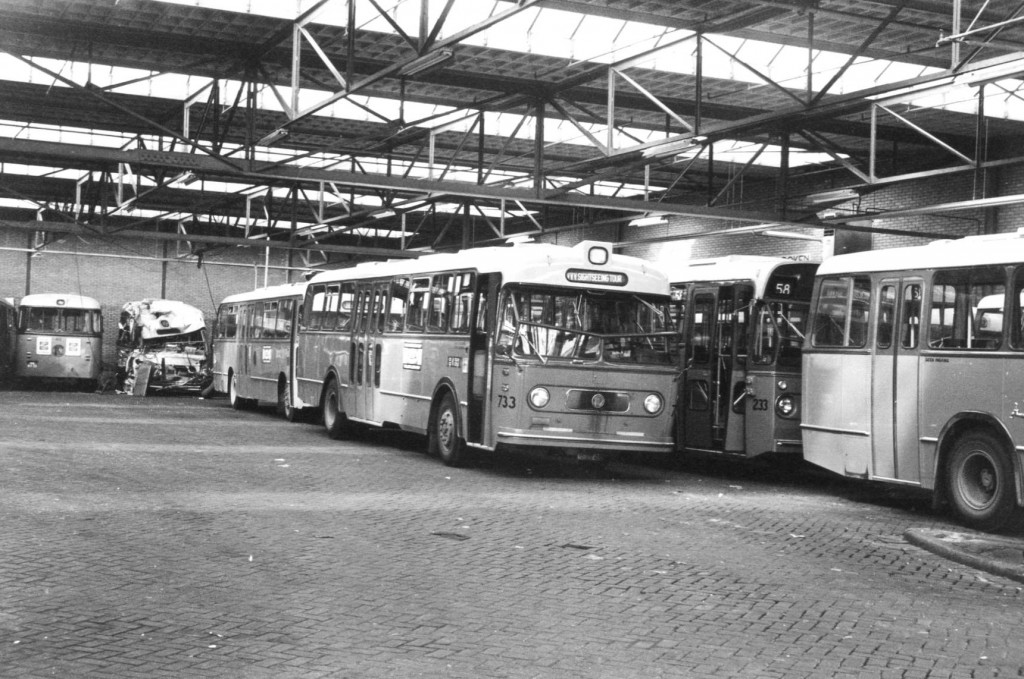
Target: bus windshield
[(59, 320), (589, 325), (780, 331)]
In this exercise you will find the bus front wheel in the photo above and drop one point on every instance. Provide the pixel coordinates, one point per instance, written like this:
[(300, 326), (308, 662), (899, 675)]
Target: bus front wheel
[(444, 435), (335, 421), (981, 485)]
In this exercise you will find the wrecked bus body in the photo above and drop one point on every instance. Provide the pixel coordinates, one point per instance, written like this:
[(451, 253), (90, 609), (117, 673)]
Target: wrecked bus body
[(161, 346)]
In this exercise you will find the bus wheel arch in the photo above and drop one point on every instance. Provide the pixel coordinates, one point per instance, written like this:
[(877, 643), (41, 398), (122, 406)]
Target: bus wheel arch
[(978, 474), (444, 436)]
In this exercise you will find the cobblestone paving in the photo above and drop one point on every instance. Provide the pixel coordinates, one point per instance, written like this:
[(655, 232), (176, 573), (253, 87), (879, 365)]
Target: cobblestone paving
[(174, 537)]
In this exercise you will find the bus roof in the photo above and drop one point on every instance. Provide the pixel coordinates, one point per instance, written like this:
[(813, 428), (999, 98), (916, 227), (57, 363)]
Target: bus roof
[(541, 263), (756, 268), (1004, 248), (50, 299), (270, 292)]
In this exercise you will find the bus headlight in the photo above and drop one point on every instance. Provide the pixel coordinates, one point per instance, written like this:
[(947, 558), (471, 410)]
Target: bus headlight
[(787, 406), (539, 397), (653, 404)]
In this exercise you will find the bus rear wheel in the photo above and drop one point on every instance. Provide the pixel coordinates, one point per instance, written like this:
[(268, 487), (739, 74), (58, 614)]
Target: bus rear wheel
[(444, 435), (335, 421), (981, 484)]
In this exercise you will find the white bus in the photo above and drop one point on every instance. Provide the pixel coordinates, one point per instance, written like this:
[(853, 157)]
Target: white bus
[(742, 320), (253, 341), (912, 377), (59, 339), (531, 345)]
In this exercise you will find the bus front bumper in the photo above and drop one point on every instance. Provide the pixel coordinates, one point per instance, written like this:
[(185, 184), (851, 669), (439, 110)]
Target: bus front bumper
[(628, 441)]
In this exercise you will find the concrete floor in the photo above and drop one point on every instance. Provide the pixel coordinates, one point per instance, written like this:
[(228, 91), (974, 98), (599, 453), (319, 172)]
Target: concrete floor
[(174, 537)]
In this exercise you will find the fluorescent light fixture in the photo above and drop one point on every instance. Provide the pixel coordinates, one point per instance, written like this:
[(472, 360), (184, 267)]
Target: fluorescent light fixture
[(272, 138), (836, 196), (649, 220), (426, 62), (384, 214)]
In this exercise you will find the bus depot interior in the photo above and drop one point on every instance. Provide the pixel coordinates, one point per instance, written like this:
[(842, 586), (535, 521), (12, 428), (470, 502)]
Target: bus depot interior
[(565, 226)]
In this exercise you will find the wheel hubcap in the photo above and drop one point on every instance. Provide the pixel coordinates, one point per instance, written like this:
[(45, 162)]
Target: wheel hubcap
[(445, 429), (980, 481)]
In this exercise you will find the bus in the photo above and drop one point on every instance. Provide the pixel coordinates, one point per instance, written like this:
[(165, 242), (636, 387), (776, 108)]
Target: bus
[(532, 345), (742, 319), (8, 329), (59, 340), (161, 347), (253, 341), (912, 376)]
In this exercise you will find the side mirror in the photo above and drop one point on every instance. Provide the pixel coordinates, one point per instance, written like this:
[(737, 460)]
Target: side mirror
[(502, 349)]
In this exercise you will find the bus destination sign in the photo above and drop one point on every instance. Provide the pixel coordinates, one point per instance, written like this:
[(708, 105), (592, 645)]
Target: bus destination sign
[(596, 277)]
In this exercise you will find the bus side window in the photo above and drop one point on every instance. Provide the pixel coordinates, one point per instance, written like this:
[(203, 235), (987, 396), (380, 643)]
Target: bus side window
[(346, 306), (331, 300), (380, 296), (397, 304), (315, 306), (967, 308), (270, 329), (440, 303), (419, 299), (886, 316), (842, 312), (286, 312), (910, 325), (231, 322), (463, 303)]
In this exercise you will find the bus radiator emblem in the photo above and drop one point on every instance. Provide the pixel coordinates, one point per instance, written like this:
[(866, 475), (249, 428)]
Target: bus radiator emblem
[(597, 401)]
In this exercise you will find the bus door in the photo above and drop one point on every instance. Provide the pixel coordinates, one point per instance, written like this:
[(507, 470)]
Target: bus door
[(894, 383), (374, 348), (361, 364), (246, 333), (480, 380), (714, 380)]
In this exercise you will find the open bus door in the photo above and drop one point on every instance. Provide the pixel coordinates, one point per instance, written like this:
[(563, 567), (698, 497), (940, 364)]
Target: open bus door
[(480, 380), (714, 376)]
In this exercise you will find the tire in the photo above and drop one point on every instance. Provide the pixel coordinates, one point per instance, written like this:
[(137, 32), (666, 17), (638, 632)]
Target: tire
[(284, 402), (335, 421), (980, 483), (236, 401), (444, 440)]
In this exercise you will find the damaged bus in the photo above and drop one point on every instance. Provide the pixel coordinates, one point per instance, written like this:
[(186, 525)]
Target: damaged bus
[(563, 349), (59, 340), (252, 346), (161, 346)]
